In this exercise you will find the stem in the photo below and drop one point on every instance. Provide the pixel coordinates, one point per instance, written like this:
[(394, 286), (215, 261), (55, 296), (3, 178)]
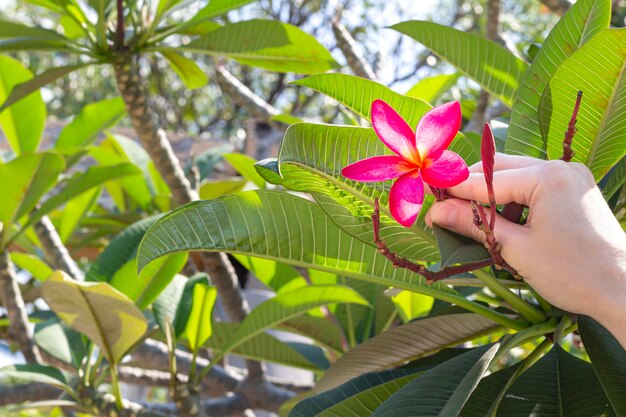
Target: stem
[(12, 301), (568, 153), (120, 24), (527, 335), (115, 384), (526, 310)]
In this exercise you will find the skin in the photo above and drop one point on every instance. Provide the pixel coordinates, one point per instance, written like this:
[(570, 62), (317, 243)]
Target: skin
[(571, 250)]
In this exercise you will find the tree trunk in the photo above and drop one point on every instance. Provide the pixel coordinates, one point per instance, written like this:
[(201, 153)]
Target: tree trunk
[(12, 301), (55, 250), (158, 147)]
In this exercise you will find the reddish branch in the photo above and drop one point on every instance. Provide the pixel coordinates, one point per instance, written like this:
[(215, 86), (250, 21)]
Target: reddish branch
[(399, 262), (568, 153)]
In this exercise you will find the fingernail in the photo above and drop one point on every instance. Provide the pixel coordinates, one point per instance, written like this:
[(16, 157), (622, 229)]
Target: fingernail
[(443, 214)]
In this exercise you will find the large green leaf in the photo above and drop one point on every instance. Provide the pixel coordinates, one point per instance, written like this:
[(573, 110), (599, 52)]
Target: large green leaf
[(598, 69), (217, 8), (22, 123), (581, 22), (80, 183), (119, 251), (263, 347), (455, 248), (358, 93), (559, 384), (287, 305), (492, 66), (36, 373), (267, 44), (311, 159), (442, 390), (106, 316), (319, 329), (404, 343), (430, 89), (608, 359), (144, 288), (31, 176), (189, 72), (57, 339), (244, 165), (357, 397), (272, 274), (75, 210), (31, 263), (166, 304), (199, 326), (487, 396), (12, 29), (88, 122), (283, 227), (24, 89)]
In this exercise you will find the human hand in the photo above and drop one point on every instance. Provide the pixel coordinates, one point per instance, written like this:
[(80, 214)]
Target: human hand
[(571, 250)]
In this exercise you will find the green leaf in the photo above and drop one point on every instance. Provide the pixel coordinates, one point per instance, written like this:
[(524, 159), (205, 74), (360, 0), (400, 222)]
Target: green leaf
[(273, 275), (267, 44), (32, 175), (244, 165), (60, 341), (458, 249), (80, 183), (358, 94), (192, 76), (218, 188), (91, 119), (71, 28), (311, 159), (404, 343), (287, 305), (614, 180), (11, 29), (487, 396), (75, 210), (119, 251), (36, 373), (579, 24), (598, 68), (492, 66), (357, 397), (262, 347), (103, 314), (24, 89), (452, 382), (268, 170), (559, 384), (608, 359), (285, 228), (199, 324), (217, 8), (31, 263), (184, 305), (144, 288), (22, 123), (411, 305), (319, 329), (430, 89), (164, 307)]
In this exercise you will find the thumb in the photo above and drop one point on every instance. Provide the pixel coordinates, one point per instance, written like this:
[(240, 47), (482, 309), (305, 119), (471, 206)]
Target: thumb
[(456, 215)]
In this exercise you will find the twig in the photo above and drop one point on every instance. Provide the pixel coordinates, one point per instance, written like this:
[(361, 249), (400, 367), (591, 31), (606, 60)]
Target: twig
[(120, 24), (399, 262), (568, 153), (54, 249), (492, 245), (346, 43)]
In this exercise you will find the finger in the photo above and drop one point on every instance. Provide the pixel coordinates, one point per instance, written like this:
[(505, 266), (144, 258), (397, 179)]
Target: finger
[(456, 215), (505, 161), (509, 185)]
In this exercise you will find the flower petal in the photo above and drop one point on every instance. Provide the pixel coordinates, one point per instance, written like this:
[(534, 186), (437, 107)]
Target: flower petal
[(437, 128), (406, 198), (393, 130), (446, 171), (377, 168)]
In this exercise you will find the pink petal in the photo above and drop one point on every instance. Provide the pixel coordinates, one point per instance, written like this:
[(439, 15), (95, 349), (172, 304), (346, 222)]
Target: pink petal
[(393, 130), (377, 168), (437, 128), (406, 198), (446, 171)]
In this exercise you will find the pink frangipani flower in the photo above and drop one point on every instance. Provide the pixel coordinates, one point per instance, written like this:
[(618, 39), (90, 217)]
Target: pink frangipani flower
[(420, 157)]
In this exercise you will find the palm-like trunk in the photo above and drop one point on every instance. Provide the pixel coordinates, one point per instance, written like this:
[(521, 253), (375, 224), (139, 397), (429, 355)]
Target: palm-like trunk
[(16, 310), (158, 147)]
